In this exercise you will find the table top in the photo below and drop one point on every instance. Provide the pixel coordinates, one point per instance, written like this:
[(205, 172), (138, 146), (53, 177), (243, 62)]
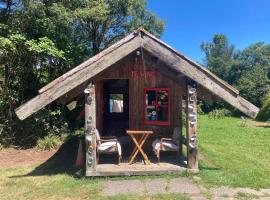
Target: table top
[(139, 132)]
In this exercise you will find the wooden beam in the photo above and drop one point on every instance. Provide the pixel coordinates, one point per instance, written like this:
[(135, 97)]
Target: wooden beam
[(191, 125), (196, 65), (62, 86), (202, 77), (90, 61), (90, 126)]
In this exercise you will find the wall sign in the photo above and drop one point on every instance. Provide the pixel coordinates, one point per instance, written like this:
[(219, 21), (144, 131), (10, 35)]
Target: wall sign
[(143, 74)]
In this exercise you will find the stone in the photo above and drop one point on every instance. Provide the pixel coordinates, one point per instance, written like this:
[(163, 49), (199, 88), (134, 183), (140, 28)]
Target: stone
[(156, 186), (183, 185), (111, 188)]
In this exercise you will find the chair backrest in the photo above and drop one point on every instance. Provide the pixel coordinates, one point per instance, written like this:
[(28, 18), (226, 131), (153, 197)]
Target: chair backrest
[(176, 134), (97, 137)]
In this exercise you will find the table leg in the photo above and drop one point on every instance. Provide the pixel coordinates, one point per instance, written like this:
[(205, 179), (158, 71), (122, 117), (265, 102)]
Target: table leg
[(135, 148), (139, 148)]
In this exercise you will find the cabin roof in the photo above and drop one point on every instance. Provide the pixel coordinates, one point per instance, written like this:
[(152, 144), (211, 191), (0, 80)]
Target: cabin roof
[(176, 61)]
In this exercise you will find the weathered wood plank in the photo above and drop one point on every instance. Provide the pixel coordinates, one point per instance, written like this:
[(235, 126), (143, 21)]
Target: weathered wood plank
[(89, 61), (124, 169), (191, 119), (90, 126), (204, 79), (71, 82), (194, 64), (139, 132)]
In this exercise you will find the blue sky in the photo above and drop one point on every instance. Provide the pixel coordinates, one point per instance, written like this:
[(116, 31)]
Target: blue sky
[(189, 22)]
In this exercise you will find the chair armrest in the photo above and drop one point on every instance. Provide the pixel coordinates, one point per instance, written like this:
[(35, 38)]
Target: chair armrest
[(108, 137), (166, 139), (108, 140)]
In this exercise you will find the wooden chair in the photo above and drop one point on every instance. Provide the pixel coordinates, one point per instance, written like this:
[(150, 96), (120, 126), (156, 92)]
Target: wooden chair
[(108, 145), (167, 144)]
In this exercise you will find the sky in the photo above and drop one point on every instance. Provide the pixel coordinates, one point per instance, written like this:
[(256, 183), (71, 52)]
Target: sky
[(190, 22)]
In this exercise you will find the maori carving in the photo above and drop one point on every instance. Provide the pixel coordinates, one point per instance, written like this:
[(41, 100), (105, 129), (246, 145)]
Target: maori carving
[(192, 146), (90, 127)]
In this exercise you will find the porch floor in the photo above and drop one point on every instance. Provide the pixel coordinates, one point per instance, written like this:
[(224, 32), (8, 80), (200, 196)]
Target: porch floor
[(166, 166)]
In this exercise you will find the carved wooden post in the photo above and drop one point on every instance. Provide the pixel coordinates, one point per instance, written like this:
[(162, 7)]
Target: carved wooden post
[(191, 114), (90, 126)]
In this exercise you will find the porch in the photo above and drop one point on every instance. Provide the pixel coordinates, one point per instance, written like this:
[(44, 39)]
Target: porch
[(168, 165)]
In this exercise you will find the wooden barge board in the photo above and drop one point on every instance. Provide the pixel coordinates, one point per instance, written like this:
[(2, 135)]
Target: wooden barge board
[(124, 169)]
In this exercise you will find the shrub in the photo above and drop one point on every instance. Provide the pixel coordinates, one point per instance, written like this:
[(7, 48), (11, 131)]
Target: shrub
[(219, 113), (48, 142), (264, 113)]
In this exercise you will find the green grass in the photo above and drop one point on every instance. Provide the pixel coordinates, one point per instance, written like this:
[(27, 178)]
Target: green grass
[(234, 155), (15, 184), (231, 155), (245, 196)]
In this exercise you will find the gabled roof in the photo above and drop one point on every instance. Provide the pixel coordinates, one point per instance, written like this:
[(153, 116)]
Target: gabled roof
[(138, 39)]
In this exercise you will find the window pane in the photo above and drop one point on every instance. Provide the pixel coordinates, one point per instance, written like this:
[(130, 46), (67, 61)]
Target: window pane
[(116, 103), (151, 113), (150, 97), (162, 114), (163, 97)]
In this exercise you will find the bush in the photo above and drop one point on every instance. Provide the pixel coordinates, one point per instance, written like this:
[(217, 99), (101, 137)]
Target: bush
[(219, 113), (48, 142), (264, 113)]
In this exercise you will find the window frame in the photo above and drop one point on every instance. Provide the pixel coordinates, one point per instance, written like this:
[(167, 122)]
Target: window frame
[(162, 123)]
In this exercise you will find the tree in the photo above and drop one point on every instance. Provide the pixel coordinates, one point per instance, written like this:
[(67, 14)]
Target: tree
[(264, 113), (41, 40), (251, 74), (254, 85), (219, 56)]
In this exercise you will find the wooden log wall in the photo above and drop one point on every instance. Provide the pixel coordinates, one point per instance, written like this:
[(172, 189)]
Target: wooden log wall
[(192, 121), (123, 70), (90, 126)]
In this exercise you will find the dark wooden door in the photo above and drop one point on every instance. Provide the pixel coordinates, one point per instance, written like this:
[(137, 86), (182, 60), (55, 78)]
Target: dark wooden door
[(116, 107)]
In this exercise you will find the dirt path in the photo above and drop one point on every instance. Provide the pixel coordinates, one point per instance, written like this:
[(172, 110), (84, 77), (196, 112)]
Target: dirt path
[(13, 157)]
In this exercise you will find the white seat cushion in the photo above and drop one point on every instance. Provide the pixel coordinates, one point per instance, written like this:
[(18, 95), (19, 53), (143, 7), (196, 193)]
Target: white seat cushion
[(167, 146), (110, 147)]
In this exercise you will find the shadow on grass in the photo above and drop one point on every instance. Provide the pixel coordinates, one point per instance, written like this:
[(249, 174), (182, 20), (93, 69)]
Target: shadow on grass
[(62, 162)]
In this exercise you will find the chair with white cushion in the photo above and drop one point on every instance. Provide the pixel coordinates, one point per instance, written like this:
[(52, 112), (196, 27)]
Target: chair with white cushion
[(167, 144), (108, 145)]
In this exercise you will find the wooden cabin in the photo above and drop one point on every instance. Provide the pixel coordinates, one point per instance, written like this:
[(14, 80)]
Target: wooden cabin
[(139, 84)]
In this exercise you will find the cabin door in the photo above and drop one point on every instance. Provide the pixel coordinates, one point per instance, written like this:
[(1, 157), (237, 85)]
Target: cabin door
[(116, 107)]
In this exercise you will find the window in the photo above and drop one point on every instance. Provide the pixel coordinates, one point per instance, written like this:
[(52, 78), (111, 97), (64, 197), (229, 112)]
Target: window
[(157, 106), (116, 103)]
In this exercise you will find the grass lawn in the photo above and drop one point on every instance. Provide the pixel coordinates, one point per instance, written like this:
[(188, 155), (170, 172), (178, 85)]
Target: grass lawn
[(233, 154), (13, 185)]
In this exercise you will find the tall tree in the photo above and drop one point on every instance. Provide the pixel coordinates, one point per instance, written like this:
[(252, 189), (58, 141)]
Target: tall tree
[(252, 72), (42, 39), (219, 56)]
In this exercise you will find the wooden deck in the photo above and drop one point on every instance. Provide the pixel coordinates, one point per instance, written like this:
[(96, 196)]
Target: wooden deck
[(139, 168)]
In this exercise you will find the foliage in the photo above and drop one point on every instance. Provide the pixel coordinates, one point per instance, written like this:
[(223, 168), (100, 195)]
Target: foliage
[(219, 55), (219, 113), (264, 113), (41, 40), (254, 85), (248, 70), (48, 142)]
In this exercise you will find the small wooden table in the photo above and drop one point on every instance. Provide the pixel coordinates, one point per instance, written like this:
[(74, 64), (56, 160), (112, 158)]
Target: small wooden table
[(138, 141)]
